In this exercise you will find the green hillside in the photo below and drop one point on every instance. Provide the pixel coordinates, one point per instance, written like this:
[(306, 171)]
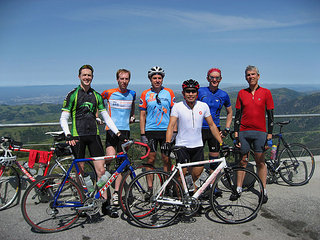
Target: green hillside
[(305, 130)]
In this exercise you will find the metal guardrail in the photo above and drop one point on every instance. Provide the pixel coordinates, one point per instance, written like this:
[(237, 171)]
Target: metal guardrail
[(58, 124)]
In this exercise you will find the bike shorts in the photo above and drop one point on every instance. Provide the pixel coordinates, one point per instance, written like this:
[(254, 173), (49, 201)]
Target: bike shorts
[(186, 155), (213, 144), (94, 145), (155, 137), (113, 140), (252, 139)]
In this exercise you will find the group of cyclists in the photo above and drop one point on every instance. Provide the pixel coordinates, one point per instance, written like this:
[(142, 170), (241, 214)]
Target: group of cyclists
[(189, 123)]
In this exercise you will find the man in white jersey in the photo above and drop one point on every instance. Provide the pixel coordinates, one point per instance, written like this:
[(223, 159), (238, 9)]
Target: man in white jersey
[(189, 115)]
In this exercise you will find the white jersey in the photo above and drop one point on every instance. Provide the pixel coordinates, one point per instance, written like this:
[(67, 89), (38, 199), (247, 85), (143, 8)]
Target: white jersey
[(190, 123)]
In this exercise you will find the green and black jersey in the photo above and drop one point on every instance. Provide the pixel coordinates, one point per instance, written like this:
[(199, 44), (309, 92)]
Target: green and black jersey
[(83, 107)]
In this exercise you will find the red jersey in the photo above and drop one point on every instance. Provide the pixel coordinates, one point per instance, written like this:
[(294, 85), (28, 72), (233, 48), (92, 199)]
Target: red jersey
[(253, 108)]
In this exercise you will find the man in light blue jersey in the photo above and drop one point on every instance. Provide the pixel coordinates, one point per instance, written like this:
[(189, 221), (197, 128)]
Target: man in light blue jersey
[(120, 105), (155, 106)]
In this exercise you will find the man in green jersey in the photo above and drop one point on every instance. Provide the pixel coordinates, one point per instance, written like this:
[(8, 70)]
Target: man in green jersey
[(81, 104)]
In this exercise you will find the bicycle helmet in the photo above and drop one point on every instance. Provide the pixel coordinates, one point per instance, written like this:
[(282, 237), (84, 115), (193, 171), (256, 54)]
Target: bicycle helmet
[(156, 70), (190, 84)]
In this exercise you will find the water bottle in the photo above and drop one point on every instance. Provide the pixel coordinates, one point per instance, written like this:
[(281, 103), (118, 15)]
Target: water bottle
[(203, 177), (104, 178), (89, 183), (31, 170), (189, 182), (273, 152)]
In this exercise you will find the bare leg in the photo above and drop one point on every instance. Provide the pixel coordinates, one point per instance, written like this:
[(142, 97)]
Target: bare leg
[(262, 168), (151, 159)]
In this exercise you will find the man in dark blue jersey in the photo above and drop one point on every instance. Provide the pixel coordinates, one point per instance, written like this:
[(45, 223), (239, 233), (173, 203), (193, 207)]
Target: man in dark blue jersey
[(216, 100)]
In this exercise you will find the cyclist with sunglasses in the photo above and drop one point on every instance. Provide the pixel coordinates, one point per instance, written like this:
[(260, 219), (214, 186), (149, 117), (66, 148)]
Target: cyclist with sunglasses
[(216, 100), (155, 107), (189, 115)]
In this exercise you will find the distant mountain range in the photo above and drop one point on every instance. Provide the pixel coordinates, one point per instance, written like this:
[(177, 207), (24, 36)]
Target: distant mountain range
[(56, 93)]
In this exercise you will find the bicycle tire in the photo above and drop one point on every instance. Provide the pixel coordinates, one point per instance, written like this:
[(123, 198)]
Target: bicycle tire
[(126, 179), (296, 164), (37, 203), (9, 186), (66, 163), (242, 209), (144, 209)]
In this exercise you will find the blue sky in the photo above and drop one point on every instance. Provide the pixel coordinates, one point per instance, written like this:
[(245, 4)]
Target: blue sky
[(45, 42)]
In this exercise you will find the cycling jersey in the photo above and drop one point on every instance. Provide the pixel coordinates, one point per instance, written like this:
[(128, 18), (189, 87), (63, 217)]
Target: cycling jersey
[(190, 123), (119, 106), (83, 107), (157, 106), (253, 108), (215, 100)]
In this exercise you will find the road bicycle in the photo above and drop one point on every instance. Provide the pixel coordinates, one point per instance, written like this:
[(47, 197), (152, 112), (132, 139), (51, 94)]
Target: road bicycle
[(10, 180), (159, 205), (293, 162), (59, 201)]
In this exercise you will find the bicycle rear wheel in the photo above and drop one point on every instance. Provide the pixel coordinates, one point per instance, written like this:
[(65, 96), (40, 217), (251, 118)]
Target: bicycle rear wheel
[(37, 204), (296, 164), (126, 179), (9, 186), (247, 204), (142, 206)]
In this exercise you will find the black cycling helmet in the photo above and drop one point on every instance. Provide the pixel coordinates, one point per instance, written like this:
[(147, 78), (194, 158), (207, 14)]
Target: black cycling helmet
[(190, 84)]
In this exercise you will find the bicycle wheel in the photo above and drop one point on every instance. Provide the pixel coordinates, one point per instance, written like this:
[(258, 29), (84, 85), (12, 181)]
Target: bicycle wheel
[(65, 163), (126, 179), (9, 186), (248, 202), (37, 204), (142, 206), (296, 164)]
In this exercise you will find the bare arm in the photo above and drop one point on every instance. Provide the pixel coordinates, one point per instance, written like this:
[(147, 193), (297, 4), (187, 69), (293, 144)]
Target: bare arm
[(143, 115), (229, 117), (172, 126), (214, 130)]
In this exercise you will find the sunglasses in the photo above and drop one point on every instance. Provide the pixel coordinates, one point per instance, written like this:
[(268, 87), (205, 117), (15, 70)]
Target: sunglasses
[(158, 99), (190, 91), (214, 78)]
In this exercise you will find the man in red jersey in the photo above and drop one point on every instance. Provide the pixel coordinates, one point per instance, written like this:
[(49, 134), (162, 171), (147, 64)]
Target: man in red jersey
[(250, 126)]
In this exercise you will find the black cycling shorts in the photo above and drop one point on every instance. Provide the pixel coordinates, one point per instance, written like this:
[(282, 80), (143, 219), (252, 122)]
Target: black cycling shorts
[(155, 137), (113, 140), (94, 145), (186, 155), (213, 144)]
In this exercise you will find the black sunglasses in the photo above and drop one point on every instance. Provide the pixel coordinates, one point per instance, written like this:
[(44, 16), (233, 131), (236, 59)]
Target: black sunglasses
[(190, 91), (158, 99)]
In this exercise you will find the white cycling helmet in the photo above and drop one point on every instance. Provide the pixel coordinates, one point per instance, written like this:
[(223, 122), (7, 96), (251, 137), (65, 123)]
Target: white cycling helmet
[(156, 70)]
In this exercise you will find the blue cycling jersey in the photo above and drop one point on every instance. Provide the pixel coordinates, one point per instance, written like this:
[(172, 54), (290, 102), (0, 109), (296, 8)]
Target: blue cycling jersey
[(215, 100), (157, 106), (119, 106)]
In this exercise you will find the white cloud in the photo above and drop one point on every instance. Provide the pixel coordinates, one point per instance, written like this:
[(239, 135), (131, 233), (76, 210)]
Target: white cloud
[(199, 20)]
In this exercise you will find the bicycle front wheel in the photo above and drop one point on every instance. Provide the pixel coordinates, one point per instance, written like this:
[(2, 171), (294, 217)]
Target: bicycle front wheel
[(9, 186), (231, 206), (37, 204), (126, 179), (296, 164), (141, 202)]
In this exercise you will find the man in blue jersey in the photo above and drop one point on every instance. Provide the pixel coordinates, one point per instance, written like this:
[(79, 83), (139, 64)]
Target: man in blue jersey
[(155, 106), (216, 100), (120, 105)]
